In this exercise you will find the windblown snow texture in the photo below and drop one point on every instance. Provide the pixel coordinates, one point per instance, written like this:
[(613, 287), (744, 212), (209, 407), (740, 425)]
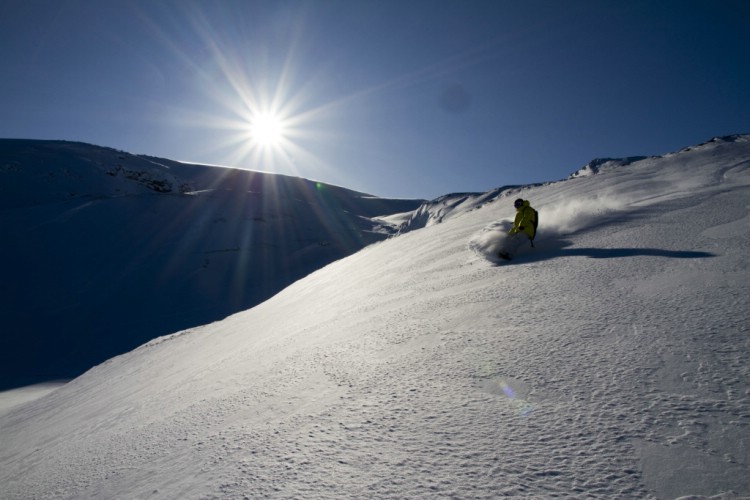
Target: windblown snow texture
[(609, 362)]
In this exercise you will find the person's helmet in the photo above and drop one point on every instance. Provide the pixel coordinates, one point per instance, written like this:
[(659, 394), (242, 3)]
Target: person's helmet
[(518, 203)]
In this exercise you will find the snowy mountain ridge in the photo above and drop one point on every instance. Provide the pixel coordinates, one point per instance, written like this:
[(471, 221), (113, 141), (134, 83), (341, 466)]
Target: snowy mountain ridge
[(100, 237), (449, 205), (608, 362), (597, 165)]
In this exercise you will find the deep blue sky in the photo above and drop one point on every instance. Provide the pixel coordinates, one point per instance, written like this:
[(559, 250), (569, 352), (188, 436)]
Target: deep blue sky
[(405, 98)]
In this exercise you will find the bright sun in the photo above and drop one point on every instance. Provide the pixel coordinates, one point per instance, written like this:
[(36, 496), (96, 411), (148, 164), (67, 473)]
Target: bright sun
[(267, 130)]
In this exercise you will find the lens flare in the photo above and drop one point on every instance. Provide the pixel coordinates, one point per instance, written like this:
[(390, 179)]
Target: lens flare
[(522, 406)]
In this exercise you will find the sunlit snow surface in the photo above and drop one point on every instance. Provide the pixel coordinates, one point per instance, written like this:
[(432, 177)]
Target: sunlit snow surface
[(611, 361)]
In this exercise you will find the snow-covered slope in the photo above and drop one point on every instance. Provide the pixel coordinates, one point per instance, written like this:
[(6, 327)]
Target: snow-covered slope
[(105, 250), (609, 362), (450, 205), (599, 164)]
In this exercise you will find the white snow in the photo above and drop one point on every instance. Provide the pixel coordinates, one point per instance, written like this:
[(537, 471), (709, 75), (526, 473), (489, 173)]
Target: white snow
[(94, 234), (15, 397), (608, 362)]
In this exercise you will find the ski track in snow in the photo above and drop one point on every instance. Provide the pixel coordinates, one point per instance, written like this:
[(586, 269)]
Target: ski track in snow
[(609, 362)]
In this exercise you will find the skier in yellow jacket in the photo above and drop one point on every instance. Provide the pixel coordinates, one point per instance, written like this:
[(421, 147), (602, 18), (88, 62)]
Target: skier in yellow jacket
[(524, 228)]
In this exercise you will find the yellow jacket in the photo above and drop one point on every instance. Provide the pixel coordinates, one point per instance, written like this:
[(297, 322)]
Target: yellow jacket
[(525, 221)]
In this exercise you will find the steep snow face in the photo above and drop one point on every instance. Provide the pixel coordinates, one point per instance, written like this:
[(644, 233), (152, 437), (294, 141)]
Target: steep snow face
[(609, 362), (106, 250)]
